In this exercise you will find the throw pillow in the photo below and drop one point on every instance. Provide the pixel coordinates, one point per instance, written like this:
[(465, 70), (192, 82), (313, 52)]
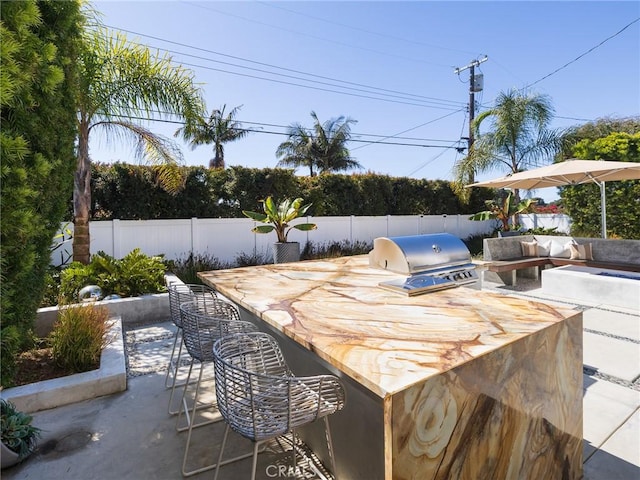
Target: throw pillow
[(560, 250), (529, 249), (581, 252), (544, 248)]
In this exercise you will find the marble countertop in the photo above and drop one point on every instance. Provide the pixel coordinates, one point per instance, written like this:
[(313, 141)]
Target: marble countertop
[(384, 340)]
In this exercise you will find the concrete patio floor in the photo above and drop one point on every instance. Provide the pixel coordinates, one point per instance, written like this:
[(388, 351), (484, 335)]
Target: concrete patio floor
[(130, 435)]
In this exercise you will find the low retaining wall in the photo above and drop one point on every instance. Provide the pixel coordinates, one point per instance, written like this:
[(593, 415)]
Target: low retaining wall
[(144, 309), (111, 377)]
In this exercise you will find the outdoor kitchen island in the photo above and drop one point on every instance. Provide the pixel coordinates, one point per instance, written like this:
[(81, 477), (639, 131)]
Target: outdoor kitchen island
[(453, 384)]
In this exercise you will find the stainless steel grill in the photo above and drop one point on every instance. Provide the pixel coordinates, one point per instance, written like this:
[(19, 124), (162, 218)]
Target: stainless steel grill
[(433, 262)]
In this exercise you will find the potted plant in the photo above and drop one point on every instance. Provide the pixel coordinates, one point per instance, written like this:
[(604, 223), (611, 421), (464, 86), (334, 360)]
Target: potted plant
[(505, 212), (19, 437), (277, 216)]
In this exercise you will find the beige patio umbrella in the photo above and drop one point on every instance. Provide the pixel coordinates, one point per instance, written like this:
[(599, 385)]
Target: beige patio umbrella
[(570, 172)]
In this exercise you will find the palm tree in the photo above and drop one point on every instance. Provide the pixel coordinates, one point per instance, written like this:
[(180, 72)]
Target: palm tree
[(217, 130), (120, 81), (326, 149), (330, 150), (519, 139), (296, 151)]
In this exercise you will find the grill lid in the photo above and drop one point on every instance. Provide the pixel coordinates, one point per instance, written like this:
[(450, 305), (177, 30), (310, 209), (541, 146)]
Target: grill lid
[(418, 253)]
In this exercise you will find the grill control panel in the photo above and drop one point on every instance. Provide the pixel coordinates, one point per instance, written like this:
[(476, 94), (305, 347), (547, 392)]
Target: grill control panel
[(431, 282)]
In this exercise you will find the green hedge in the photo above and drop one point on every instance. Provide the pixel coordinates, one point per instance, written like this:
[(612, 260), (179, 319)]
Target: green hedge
[(130, 192), (40, 41)]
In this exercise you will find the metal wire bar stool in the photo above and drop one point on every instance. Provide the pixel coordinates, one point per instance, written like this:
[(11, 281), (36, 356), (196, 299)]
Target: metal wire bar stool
[(180, 293), (261, 399), (204, 322)]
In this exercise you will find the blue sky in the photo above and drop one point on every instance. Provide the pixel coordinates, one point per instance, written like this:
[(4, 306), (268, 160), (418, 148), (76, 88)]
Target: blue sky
[(401, 53)]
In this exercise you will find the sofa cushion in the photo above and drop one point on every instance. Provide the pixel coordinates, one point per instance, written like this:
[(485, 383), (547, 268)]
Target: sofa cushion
[(581, 252), (544, 248), (529, 249), (560, 249)]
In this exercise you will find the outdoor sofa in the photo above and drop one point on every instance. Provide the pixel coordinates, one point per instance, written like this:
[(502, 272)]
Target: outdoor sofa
[(526, 255)]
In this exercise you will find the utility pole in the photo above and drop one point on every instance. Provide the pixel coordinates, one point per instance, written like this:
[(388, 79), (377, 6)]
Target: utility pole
[(475, 85)]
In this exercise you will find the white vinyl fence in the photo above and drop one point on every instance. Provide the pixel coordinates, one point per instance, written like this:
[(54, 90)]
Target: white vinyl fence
[(226, 238)]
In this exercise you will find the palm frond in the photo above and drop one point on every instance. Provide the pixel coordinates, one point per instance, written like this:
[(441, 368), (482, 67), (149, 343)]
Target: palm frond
[(128, 79), (517, 136), (159, 151)]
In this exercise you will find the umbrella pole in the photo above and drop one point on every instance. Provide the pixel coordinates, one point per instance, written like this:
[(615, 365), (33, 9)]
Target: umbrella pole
[(603, 208)]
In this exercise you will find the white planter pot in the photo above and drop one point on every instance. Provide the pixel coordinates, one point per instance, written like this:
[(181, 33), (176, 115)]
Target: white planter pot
[(9, 457), (284, 252)]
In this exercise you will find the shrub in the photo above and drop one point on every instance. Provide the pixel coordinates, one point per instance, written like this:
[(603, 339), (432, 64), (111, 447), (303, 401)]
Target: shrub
[(544, 231), (252, 259), (475, 244), (51, 293), (133, 275), (78, 337), (186, 269), (334, 249), (129, 192), (9, 348)]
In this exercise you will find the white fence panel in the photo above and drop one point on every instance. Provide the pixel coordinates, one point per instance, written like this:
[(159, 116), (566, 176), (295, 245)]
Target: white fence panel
[(402, 225), (432, 224), (329, 229), (226, 238), (469, 228), (101, 235), (546, 220), (365, 229), (153, 237)]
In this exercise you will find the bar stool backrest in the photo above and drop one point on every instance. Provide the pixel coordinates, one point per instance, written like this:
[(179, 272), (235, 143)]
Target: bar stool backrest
[(258, 395), (206, 320), (183, 292)]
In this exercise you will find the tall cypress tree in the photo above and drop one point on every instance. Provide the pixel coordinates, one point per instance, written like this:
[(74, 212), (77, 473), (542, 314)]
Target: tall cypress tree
[(40, 40)]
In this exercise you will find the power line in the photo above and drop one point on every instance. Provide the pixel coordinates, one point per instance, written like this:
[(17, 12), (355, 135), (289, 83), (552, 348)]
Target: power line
[(177, 122), (574, 118), (458, 151), (371, 32), (303, 34), (426, 103), (317, 88), (412, 128), (417, 96), (311, 130), (582, 55), (428, 162)]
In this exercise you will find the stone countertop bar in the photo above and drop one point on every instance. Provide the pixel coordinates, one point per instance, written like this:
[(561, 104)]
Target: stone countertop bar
[(467, 378)]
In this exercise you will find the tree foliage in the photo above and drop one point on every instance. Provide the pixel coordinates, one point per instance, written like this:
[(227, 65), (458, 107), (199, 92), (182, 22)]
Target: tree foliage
[(505, 211), (518, 138), (218, 129), (598, 129), (582, 202), (129, 192), (40, 41), (323, 147), (119, 81)]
